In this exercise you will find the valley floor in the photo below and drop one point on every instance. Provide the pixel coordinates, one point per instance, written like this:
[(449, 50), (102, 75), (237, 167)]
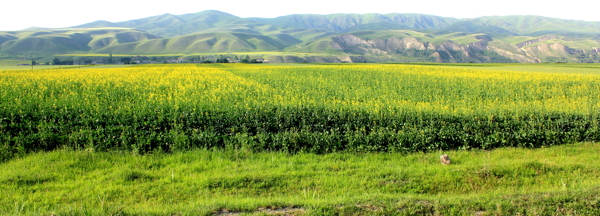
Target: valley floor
[(560, 180)]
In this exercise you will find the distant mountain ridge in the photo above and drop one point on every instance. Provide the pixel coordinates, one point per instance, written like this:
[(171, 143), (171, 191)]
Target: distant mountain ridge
[(372, 37), (343, 22), (168, 25), (527, 25)]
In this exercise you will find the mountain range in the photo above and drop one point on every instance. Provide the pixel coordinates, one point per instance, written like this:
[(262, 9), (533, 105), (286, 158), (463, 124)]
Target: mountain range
[(325, 38)]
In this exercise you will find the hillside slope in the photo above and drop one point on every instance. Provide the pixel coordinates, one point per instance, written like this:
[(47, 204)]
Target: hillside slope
[(68, 40), (199, 43), (343, 22), (168, 25), (529, 26), (419, 46)]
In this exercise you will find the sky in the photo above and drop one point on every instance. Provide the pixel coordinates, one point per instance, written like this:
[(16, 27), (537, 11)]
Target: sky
[(18, 15)]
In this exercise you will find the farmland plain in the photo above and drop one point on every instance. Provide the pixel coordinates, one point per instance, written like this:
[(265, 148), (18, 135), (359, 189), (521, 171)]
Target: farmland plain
[(317, 139), (317, 109)]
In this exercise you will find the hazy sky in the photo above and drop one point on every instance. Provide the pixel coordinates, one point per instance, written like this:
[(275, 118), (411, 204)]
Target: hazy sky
[(18, 15)]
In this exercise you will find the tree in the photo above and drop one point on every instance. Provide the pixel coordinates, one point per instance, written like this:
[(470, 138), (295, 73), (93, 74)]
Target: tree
[(67, 62), (126, 60), (56, 61), (245, 59), (222, 59)]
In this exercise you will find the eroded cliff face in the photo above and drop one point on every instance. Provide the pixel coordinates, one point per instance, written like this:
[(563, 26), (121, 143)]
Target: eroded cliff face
[(538, 40), (521, 57), (554, 48), (351, 43), (480, 51), (446, 52)]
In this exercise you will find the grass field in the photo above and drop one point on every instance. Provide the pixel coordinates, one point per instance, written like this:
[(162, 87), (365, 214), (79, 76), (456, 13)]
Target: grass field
[(321, 139), (562, 180)]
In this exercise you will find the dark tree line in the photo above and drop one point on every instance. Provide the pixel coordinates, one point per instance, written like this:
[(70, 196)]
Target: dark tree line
[(222, 59), (57, 61)]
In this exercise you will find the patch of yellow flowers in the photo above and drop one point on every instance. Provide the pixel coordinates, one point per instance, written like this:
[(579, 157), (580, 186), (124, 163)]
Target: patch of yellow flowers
[(374, 88)]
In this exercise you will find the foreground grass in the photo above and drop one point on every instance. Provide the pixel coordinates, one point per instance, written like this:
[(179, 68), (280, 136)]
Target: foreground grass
[(509, 181)]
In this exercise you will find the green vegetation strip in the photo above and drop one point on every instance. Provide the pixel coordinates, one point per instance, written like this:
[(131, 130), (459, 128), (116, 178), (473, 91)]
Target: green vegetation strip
[(558, 68), (198, 54), (316, 109), (562, 180)]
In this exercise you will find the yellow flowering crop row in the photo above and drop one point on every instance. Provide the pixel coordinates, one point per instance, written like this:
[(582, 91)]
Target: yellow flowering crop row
[(294, 107)]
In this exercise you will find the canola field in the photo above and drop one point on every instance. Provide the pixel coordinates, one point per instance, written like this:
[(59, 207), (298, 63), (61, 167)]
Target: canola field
[(314, 108)]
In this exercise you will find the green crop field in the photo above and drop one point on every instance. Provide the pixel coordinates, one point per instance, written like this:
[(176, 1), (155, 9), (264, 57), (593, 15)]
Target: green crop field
[(318, 109), (318, 139)]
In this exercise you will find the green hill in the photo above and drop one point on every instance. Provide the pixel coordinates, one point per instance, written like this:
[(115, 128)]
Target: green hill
[(526, 25), (199, 43), (68, 40), (376, 26), (168, 25), (474, 27), (342, 22), (6, 37), (374, 37)]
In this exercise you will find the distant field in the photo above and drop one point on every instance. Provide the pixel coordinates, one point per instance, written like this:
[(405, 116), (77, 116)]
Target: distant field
[(115, 55), (12, 65), (36, 67), (40, 67), (200, 54), (5, 62), (26, 67), (104, 66), (546, 68)]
